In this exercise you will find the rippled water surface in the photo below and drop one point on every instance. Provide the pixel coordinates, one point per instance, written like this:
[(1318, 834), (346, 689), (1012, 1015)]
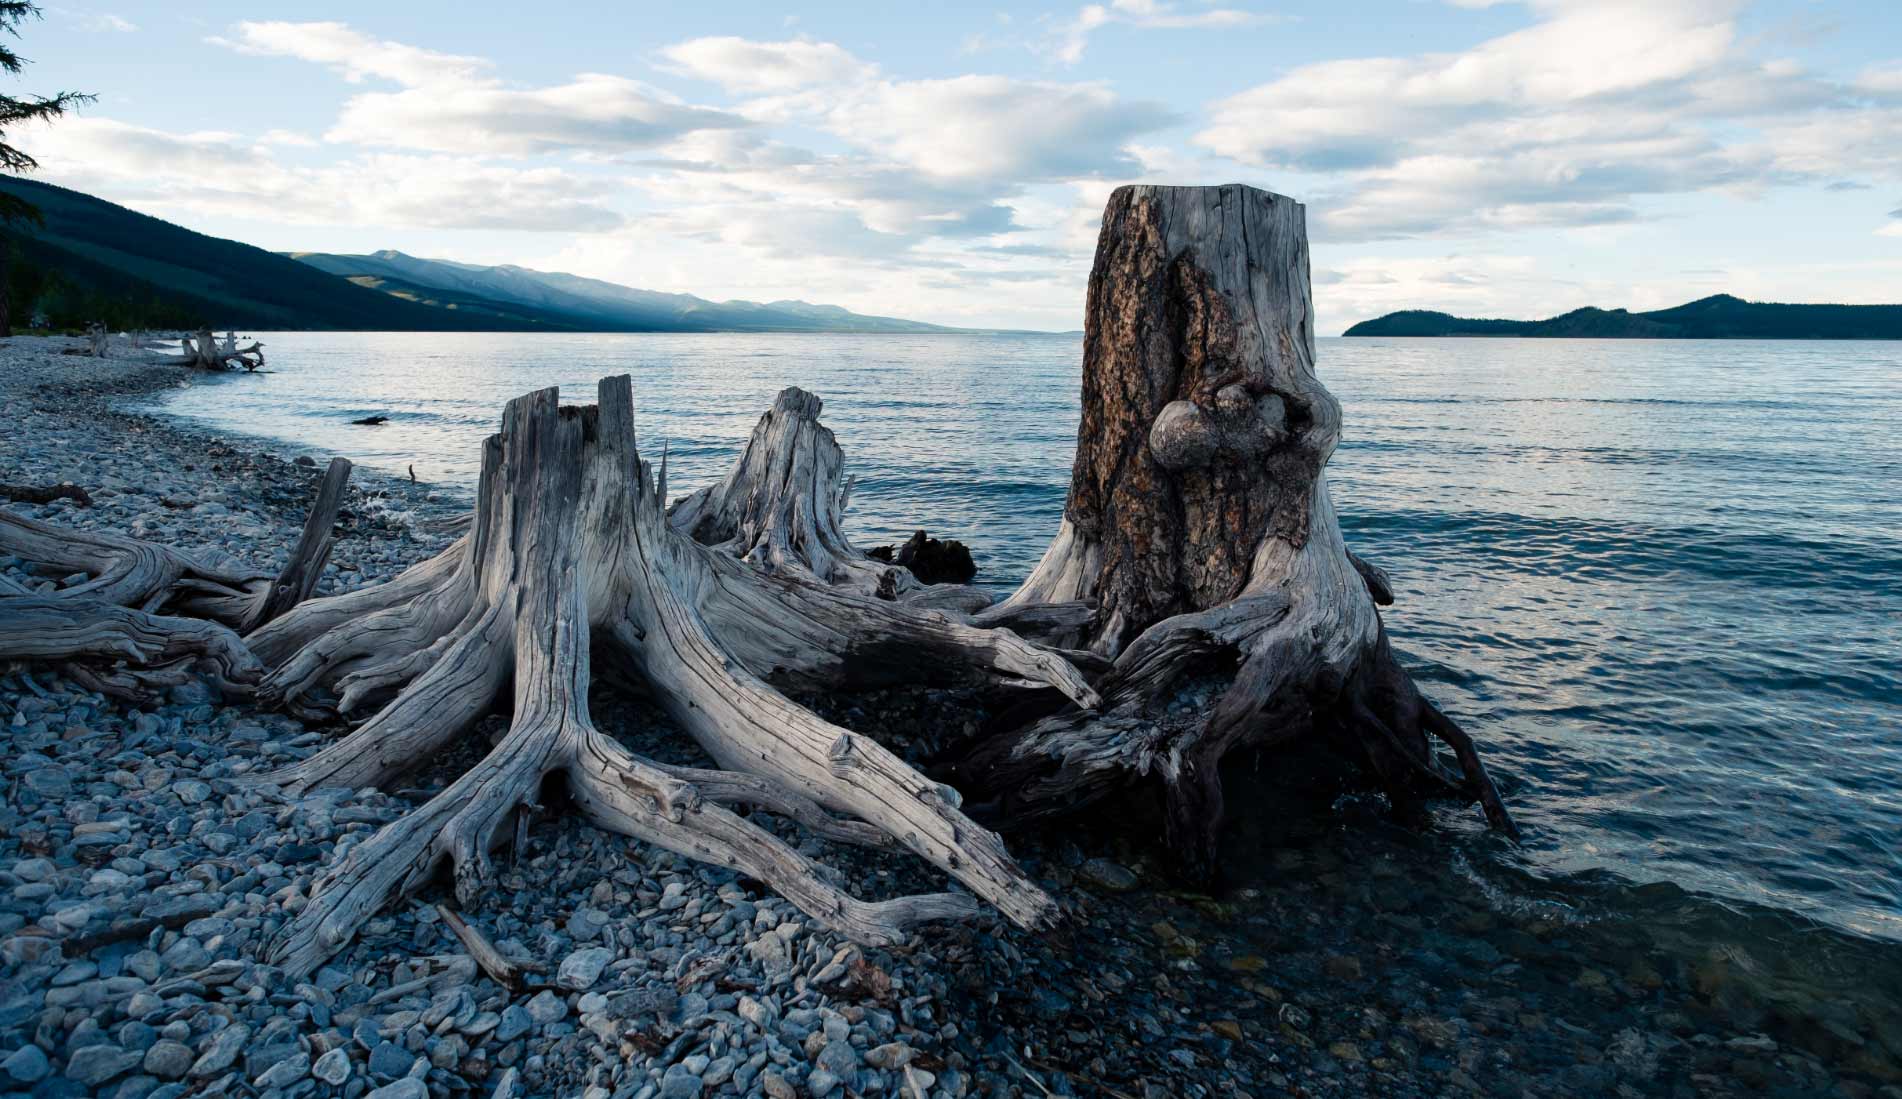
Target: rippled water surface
[(1660, 581)]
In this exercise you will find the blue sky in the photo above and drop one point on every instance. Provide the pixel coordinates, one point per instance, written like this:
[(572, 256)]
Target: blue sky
[(949, 162)]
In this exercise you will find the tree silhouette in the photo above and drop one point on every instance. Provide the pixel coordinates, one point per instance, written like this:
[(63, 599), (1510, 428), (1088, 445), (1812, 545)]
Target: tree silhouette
[(15, 110)]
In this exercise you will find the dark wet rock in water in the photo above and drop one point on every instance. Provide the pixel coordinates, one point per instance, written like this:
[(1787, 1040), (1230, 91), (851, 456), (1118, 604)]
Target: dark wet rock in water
[(931, 560)]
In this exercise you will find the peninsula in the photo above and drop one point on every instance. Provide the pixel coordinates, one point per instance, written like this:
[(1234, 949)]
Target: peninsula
[(1718, 317)]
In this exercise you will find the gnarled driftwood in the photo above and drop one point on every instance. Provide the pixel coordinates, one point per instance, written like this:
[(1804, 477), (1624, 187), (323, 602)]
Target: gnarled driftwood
[(570, 542), (141, 602), (204, 351)]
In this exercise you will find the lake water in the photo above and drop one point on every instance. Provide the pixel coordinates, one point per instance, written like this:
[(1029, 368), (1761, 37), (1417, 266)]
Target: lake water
[(1661, 582)]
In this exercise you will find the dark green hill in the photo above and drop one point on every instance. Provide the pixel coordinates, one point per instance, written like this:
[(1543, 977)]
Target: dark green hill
[(94, 260), (1720, 317)]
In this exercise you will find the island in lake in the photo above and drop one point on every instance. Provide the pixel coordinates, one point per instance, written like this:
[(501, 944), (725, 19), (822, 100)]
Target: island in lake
[(1718, 317)]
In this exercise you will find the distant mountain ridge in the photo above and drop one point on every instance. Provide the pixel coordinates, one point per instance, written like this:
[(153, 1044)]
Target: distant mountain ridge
[(553, 300), (1719, 317), (94, 260)]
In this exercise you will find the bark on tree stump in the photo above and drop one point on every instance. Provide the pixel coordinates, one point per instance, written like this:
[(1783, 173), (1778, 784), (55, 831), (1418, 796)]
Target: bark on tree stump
[(1199, 522)]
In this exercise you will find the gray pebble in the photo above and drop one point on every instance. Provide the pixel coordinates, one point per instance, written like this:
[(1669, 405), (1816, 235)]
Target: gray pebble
[(332, 1068)]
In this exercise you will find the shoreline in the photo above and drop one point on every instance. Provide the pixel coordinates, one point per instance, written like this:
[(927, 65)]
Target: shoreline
[(1330, 978)]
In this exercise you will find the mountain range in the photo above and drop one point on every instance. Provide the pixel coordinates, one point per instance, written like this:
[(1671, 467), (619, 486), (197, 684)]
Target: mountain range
[(92, 260), (543, 299), (1719, 317)]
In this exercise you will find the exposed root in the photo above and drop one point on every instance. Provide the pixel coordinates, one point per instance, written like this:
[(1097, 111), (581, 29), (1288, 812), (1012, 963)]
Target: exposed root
[(129, 572), (568, 539), (168, 649)]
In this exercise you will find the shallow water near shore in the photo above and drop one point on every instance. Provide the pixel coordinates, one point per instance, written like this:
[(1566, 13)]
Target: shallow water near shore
[(1660, 581)]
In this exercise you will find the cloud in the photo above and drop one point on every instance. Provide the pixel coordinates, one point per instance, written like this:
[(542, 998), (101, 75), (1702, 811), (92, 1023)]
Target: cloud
[(355, 55), (593, 113), (1881, 79), (1074, 38), (153, 169), (97, 23), (451, 104), (995, 127), (1567, 122), (930, 175), (740, 65)]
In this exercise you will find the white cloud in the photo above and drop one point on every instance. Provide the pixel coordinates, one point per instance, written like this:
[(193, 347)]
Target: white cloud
[(1882, 79), (154, 170), (930, 178), (355, 55), (451, 104), (289, 138), (1074, 38), (1567, 122), (995, 127), (742, 65), (107, 23), (591, 113)]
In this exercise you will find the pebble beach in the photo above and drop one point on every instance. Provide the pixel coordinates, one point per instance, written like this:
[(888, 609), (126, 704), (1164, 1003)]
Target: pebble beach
[(142, 877)]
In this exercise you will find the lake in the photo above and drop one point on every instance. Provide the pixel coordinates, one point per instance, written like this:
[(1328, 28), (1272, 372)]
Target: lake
[(1661, 582)]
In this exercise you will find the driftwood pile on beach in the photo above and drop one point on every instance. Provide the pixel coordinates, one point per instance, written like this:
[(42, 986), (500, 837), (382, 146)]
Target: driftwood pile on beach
[(201, 350)]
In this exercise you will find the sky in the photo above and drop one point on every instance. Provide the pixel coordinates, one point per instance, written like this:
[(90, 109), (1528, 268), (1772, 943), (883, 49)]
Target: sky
[(949, 162)]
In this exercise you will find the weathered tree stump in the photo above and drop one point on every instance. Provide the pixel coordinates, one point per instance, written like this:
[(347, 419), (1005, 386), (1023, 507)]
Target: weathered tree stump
[(782, 506), (1200, 525), (569, 540)]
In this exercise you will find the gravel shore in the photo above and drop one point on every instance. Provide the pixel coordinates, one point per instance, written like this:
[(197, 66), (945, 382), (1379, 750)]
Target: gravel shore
[(140, 883)]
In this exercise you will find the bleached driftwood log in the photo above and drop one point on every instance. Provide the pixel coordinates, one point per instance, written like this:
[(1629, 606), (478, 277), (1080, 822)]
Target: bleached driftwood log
[(1199, 523), (141, 601), (570, 540), (204, 351)]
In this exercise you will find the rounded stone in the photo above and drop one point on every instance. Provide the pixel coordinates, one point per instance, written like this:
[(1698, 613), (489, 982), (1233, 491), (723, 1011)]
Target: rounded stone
[(27, 1065), (168, 1060), (332, 1068)]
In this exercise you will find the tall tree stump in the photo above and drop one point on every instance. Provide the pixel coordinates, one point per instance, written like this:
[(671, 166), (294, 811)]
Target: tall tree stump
[(1199, 523)]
